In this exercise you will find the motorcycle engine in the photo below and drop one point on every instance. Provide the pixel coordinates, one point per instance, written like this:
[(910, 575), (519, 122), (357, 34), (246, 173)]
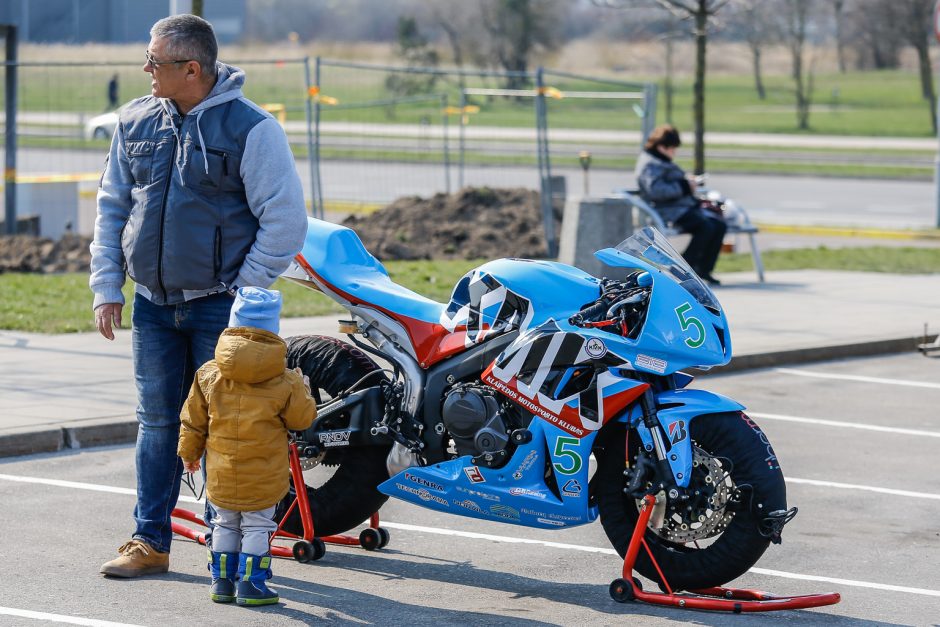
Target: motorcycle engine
[(472, 415)]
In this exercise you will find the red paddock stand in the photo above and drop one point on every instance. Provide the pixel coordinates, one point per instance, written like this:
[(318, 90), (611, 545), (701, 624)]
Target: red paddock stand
[(716, 599), (305, 548)]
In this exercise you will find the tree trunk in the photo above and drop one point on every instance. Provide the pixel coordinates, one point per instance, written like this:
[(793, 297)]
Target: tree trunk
[(926, 82), (667, 83), (698, 88), (758, 79), (838, 5), (197, 8)]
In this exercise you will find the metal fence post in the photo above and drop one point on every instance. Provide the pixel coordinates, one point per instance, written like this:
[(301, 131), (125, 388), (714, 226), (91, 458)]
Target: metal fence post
[(444, 115), (9, 172), (311, 166), (463, 118), (316, 144), (649, 110), (545, 166)]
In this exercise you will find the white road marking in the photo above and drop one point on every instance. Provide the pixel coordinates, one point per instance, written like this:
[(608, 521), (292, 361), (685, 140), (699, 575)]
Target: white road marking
[(853, 377), (555, 545), (95, 487), (847, 425), (867, 488), (591, 549), (59, 618)]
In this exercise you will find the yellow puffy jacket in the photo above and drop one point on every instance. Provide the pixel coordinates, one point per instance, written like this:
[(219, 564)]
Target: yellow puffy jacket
[(239, 410)]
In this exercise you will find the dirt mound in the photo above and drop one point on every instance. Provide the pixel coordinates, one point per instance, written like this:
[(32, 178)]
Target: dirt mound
[(473, 223), (28, 253)]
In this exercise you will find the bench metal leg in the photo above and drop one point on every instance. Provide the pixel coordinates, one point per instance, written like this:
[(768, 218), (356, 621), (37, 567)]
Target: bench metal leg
[(755, 254)]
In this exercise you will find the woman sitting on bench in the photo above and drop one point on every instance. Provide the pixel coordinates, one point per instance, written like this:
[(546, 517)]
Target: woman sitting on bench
[(671, 192)]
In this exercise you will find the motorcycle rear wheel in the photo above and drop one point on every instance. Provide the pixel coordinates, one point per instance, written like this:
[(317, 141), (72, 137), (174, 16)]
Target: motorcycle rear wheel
[(729, 436), (349, 496)]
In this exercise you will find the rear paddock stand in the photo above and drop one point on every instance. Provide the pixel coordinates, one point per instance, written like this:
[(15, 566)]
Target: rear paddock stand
[(305, 548), (736, 600)]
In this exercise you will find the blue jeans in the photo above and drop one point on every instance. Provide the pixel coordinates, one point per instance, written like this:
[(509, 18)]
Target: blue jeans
[(170, 343)]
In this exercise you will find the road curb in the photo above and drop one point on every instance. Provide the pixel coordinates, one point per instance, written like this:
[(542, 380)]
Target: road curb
[(68, 436), (822, 353), (104, 432)]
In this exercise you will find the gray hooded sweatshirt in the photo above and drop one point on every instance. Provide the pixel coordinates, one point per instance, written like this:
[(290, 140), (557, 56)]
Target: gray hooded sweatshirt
[(196, 204)]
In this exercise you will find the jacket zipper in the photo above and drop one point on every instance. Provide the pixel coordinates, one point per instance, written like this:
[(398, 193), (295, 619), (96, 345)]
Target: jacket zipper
[(218, 251), (166, 191), (217, 153)]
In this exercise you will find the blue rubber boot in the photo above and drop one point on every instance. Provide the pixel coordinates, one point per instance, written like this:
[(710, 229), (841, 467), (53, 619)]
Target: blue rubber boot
[(223, 567), (252, 587)]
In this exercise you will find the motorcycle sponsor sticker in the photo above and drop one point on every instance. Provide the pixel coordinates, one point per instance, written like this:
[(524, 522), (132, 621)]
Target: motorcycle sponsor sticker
[(334, 438), (532, 512), (595, 348), (422, 494), (651, 363), (771, 457), (471, 505), (424, 482), (504, 511), (546, 521), (524, 465), (677, 432), (536, 409), (526, 492), (474, 475), (571, 488), (483, 495)]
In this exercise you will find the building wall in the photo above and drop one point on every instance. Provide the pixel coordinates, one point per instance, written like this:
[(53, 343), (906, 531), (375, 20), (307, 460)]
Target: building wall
[(109, 21)]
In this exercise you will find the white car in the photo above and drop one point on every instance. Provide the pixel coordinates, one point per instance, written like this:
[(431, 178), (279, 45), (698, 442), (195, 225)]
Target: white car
[(102, 126)]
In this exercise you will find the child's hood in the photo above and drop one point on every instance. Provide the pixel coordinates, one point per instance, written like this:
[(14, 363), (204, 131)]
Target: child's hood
[(250, 355)]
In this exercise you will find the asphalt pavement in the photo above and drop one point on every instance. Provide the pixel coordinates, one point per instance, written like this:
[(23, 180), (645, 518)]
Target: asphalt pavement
[(76, 390)]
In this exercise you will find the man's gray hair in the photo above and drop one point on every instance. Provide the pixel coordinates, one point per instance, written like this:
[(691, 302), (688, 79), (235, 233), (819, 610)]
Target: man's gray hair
[(189, 37)]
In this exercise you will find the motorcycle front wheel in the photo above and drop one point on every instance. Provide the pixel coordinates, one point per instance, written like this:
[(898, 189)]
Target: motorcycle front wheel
[(733, 462), (348, 496)]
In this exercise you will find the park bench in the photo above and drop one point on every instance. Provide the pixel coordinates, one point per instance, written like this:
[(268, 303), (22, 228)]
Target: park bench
[(645, 214)]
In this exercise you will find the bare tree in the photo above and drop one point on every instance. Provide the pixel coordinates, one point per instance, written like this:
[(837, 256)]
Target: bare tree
[(517, 29), (877, 39), (759, 30), (796, 18), (914, 19), (838, 9), (700, 12)]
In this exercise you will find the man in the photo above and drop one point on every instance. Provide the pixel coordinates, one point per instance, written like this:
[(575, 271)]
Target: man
[(199, 197)]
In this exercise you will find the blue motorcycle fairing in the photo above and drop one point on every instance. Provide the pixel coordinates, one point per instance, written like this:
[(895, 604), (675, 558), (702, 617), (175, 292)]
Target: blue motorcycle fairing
[(517, 492), (338, 256), (676, 410)]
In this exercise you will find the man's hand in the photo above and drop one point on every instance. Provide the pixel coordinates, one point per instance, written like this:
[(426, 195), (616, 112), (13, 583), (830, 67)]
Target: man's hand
[(192, 466), (106, 315)]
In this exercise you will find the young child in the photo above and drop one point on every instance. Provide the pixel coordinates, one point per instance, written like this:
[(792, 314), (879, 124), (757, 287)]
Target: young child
[(239, 410)]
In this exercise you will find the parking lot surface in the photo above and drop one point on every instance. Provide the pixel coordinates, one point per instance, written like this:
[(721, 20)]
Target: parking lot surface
[(857, 440)]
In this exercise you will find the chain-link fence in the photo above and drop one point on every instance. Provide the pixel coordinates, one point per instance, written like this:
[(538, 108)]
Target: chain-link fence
[(362, 134)]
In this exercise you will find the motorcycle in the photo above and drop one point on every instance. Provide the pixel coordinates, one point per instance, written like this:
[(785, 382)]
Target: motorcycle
[(491, 406)]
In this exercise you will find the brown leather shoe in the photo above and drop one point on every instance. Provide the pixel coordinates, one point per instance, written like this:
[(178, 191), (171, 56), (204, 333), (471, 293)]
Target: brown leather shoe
[(137, 558)]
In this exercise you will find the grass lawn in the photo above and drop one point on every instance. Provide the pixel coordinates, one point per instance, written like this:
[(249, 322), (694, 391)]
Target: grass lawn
[(62, 303)]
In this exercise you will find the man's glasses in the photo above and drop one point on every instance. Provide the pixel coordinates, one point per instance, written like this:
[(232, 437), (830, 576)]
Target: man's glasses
[(155, 63)]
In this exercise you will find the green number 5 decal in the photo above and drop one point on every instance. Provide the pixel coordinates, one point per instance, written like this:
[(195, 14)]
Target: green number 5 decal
[(561, 446), (691, 321)]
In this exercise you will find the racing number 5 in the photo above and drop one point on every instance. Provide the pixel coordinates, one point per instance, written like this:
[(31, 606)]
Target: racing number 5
[(561, 445), (691, 321)]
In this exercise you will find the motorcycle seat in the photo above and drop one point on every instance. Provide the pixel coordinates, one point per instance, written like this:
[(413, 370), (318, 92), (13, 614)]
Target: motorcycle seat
[(339, 259)]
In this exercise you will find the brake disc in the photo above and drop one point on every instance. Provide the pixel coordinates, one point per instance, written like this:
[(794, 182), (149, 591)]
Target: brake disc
[(707, 515)]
